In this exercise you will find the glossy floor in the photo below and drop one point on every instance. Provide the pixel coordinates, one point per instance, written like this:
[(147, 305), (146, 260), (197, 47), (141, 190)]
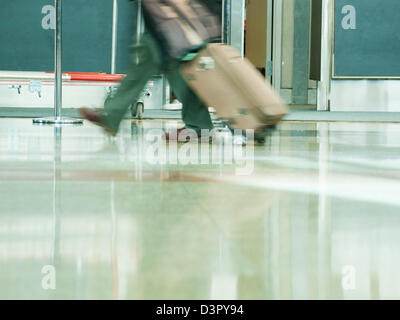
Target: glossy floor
[(84, 216)]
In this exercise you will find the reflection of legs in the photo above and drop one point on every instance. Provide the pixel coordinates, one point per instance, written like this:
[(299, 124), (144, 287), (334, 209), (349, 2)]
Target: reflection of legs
[(195, 114), (138, 74)]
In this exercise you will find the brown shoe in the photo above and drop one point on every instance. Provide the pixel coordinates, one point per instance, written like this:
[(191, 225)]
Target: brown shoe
[(95, 117)]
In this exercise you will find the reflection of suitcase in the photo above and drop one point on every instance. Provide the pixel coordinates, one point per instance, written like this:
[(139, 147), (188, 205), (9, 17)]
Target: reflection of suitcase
[(234, 87)]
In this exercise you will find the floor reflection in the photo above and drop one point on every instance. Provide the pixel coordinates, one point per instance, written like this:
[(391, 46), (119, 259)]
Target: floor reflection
[(317, 219)]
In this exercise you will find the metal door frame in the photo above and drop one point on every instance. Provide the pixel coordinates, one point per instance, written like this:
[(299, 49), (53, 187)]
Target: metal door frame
[(236, 20), (277, 23), (324, 85)]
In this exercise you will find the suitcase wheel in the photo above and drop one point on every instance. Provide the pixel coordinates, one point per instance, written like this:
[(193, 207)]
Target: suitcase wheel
[(261, 137), (137, 110), (260, 140)]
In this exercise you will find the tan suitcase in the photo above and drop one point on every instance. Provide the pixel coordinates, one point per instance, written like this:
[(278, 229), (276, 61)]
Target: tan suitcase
[(234, 88)]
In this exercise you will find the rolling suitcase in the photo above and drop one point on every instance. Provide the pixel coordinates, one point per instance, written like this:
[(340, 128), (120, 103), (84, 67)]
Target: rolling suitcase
[(234, 88)]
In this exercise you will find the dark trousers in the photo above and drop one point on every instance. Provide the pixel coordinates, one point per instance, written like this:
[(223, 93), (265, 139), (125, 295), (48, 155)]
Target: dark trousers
[(147, 60)]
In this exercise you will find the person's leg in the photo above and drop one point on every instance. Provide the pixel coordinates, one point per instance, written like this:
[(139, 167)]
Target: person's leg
[(146, 62), (195, 113)]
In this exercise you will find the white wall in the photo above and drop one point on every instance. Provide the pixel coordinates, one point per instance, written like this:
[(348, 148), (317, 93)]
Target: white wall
[(365, 95), (75, 94)]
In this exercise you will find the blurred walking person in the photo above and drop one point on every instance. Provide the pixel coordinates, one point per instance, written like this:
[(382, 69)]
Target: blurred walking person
[(168, 40)]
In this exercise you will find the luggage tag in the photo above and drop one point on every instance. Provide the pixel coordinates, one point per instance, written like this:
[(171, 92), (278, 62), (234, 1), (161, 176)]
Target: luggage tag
[(206, 63)]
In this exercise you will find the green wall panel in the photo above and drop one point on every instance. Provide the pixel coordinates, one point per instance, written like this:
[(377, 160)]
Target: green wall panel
[(26, 43)]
